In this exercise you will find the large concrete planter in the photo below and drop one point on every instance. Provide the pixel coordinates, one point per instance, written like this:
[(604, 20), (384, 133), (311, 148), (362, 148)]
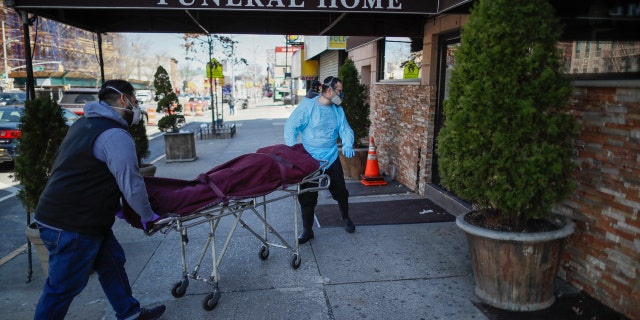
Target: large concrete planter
[(33, 234), (354, 167), (180, 146), (515, 271)]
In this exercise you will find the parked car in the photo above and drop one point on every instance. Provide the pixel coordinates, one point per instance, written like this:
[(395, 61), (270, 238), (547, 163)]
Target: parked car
[(75, 99), (10, 129), (13, 97), (143, 96)]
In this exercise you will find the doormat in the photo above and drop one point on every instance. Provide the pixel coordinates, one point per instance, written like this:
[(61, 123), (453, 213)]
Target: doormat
[(384, 212), (392, 187), (569, 306)]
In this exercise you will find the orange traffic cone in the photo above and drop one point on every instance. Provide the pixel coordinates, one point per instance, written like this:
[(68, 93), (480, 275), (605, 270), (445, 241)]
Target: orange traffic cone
[(372, 175), (151, 114)]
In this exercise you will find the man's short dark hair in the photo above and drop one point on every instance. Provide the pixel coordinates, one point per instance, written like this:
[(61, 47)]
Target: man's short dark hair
[(107, 93)]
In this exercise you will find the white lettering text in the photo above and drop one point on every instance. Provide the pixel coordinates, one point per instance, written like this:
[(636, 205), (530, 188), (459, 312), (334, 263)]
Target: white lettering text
[(258, 3), (344, 3), (391, 6), (294, 5), (332, 5), (324, 4), (372, 4), (278, 3)]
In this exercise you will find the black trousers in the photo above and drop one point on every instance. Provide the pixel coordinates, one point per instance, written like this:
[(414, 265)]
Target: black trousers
[(339, 192)]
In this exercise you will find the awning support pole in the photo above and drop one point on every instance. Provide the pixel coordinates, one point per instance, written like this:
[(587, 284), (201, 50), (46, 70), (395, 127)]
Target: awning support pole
[(30, 88), (101, 58)]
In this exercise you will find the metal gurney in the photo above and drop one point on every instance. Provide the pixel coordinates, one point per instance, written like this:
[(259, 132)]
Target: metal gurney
[(231, 203)]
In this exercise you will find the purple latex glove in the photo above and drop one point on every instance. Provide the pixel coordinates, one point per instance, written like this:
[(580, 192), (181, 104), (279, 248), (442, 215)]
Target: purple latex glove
[(155, 217)]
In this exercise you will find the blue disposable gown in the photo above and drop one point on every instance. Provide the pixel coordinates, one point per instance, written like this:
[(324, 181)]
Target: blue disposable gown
[(318, 127)]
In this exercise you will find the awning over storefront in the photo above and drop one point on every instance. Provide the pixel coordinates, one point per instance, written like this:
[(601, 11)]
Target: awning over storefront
[(583, 19), (306, 17)]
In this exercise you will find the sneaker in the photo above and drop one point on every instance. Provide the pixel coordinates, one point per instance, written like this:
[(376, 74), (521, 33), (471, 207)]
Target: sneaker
[(348, 225), (151, 314)]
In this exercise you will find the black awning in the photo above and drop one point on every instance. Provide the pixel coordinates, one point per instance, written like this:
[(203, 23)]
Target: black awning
[(583, 19)]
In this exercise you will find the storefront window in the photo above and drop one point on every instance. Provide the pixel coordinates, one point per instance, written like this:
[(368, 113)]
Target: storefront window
[(601, 59), (399, 57)]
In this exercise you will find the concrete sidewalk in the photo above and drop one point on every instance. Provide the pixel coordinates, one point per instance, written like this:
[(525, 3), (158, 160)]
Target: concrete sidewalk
[(416, 271)]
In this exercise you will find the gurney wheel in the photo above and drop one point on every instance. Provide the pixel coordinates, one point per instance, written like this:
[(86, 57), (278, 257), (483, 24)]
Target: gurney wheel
[(180, 288), (211, 300), (295, 261), (264, 253)]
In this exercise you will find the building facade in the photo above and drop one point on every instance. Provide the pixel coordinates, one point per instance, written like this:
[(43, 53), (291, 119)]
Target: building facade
[(603, 256)]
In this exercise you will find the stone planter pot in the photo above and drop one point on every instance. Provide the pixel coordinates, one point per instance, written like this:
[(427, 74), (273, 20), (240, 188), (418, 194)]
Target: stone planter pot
[(512, 270), (180, 146), (33, 234), (354, 167)]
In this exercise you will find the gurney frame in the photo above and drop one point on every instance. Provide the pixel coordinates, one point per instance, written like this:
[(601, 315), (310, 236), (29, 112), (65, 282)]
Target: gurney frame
[(314, 182)]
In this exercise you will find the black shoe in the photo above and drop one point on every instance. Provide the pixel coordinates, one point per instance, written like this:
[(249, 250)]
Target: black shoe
[(305, 236), (348, 225), (151, 314)]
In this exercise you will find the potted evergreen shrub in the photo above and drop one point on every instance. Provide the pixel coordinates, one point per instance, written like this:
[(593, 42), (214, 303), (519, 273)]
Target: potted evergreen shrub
[(356, 109), (506, 147), (42, 130), (179, 146), (141, 140)]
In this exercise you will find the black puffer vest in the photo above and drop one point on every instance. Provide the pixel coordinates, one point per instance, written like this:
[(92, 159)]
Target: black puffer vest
[(81, 195)]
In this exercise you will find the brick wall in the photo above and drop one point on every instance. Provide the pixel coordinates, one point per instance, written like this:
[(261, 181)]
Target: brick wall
[(603, 255), (402, 118)]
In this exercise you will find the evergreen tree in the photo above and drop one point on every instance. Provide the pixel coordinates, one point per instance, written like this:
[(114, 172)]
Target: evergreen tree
[(43, 129), (139, 134), (354, 103), (507, 139), (166, 98)]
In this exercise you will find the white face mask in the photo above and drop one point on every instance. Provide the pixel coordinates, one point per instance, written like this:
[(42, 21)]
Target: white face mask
[(136, 113), (336, 100)]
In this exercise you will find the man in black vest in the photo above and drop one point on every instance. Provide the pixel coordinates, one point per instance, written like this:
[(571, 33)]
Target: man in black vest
[(95, 165)]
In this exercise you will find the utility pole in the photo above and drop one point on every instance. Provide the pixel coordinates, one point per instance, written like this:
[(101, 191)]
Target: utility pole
[(255, 72), (214, 100), (233, 62)]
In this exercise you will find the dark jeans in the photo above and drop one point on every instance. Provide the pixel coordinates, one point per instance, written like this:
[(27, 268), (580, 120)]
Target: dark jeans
[(72, 256), (339, 192)]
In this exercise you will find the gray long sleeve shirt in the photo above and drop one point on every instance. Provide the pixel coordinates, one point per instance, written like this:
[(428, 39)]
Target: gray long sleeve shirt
[(116, 148)]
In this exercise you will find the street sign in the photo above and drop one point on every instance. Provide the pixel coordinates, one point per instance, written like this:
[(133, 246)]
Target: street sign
[(411, 70), (214, 69)]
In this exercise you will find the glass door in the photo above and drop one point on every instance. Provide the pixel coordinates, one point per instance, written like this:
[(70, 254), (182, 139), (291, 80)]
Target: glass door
[(447, 47)]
